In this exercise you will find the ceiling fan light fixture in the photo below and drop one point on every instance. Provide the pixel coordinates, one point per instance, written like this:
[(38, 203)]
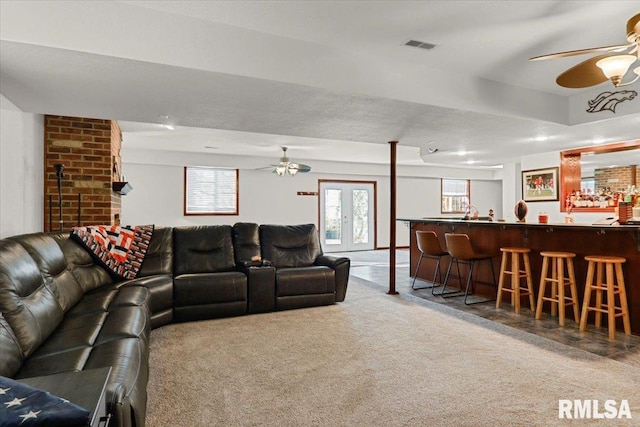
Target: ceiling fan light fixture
[(615, 67), (285, 167)]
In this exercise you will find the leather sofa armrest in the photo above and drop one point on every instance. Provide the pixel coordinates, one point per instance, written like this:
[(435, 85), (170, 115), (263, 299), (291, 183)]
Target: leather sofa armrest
[(341, 266), (331, 261), (117, 406), (261, 283)]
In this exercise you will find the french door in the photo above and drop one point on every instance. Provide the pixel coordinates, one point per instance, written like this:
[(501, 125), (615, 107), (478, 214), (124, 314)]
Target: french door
[(347, 216)]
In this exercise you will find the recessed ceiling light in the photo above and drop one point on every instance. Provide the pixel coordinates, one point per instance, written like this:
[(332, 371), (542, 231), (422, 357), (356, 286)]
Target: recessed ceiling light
[(461, 153), (170, 127), (470, 162), (541, 138), (597, 141)]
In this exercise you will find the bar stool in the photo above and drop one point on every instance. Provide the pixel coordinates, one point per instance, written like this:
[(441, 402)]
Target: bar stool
[(614, 285), (558, 282), (516, 275), (461, 251), (429, 247)]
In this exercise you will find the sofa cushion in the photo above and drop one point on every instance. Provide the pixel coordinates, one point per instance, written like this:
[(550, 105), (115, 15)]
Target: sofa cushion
[(290, 245), (159, 257), (28, 304), (73, 333), (120, 314), (305, 281), (53, 363), (94, 302), (81, 264), (124, 322), (246, 241), (53, 267), (160, 288), (203, 249), (10, 354), (197, 289)]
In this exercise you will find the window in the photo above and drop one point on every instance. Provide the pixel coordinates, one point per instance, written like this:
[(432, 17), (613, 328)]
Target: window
[(455, 195), (210, 191)]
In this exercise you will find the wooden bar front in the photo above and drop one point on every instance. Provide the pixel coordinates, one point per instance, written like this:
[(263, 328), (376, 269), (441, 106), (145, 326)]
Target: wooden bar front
[(583, 240)]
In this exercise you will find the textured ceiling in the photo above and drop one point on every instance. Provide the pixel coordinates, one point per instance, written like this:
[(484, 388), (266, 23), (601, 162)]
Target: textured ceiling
[(326, 78)]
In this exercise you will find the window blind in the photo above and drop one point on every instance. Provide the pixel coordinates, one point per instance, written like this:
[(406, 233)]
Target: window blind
[(211, 191)]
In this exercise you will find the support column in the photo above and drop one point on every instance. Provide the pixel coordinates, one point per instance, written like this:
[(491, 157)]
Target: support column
[(392, 218)]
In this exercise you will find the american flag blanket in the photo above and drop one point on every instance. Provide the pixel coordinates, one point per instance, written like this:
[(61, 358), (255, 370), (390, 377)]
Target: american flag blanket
[(23, 405), (121, 249)]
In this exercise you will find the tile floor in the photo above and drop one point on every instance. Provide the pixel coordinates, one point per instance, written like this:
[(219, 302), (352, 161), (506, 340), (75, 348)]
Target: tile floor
[(374, 267)]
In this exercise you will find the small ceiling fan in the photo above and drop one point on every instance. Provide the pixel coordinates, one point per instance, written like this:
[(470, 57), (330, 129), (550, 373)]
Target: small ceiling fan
[(609, 66), (286, 167)]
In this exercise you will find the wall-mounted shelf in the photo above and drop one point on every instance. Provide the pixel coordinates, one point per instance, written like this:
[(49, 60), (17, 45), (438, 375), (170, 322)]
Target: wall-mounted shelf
[(121, 187)]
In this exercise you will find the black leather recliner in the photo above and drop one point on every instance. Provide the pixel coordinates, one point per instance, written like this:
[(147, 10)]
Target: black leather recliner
[(304, 276), (206, 284)]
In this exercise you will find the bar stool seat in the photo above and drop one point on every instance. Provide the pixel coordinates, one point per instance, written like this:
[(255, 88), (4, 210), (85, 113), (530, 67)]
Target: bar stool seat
[(429, 247), (613, 286), (558, 281), (461, 251), (517, 274)]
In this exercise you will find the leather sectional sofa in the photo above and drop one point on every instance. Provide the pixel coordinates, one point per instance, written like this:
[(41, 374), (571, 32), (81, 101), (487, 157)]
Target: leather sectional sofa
[(60, 311)]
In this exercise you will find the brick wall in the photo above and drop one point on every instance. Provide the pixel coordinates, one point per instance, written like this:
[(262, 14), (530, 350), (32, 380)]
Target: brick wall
[(86, 149), (618, 178)]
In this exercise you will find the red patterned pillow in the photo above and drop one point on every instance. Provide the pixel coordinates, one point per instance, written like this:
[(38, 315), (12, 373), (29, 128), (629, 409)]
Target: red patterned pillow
[(121, 249)]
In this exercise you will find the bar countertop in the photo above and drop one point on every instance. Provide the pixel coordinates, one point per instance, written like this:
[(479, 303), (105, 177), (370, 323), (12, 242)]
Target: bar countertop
[(452, 220)]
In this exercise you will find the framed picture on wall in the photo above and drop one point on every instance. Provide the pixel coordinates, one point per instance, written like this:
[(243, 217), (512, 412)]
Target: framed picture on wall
[(540, 185)]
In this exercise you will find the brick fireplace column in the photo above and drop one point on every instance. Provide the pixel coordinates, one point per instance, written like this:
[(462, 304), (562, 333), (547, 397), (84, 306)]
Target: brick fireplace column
[(89, 150)]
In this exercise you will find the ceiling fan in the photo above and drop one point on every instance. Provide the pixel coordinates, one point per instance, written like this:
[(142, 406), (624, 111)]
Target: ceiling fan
[(286, 167), (609, 66)]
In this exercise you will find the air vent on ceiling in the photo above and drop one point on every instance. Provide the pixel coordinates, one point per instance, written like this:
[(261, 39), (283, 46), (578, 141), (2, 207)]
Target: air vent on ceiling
[(421, 45)]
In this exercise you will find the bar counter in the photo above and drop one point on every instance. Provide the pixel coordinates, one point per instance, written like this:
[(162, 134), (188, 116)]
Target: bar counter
[(581, 239)]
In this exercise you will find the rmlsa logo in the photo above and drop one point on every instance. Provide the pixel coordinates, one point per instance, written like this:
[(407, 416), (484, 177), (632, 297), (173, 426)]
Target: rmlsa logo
[(580, 409)]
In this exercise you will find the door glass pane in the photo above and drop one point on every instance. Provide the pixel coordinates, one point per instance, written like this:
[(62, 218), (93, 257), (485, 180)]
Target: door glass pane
[(360, 218), (333, 216)]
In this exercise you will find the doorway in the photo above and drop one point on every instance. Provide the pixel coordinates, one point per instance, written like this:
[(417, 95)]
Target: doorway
[(347, 215)]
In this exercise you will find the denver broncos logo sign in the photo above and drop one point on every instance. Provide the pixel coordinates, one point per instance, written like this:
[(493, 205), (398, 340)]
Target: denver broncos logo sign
[(609, 100)]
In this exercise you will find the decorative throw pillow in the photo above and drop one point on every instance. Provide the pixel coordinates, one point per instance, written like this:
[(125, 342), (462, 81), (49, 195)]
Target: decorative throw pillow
[(23, 405), (120, 249)]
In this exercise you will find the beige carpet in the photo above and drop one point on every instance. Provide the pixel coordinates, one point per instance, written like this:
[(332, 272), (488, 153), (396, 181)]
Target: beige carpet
[(374, 360)]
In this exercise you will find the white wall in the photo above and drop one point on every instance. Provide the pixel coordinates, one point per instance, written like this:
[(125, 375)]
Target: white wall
[(157, 197), (511, 189), (21, 170)]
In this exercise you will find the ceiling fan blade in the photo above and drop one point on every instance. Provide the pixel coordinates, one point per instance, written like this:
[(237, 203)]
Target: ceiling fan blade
[(584, 74), (300, 167), (568, 53)]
